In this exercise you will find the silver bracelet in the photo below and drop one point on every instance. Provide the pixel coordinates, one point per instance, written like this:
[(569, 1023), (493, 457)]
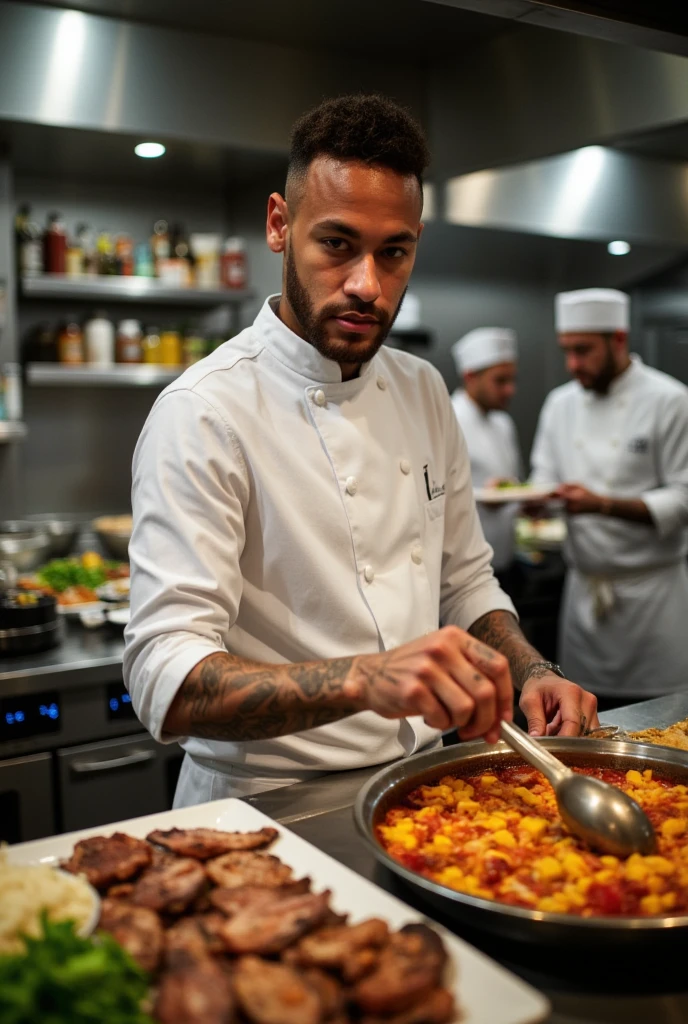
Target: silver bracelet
[(549, 666)]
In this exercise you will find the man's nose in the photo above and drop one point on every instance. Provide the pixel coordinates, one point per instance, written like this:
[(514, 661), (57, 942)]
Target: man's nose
[(363, 281)]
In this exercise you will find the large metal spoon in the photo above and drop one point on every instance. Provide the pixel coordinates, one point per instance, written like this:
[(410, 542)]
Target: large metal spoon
[(598, 813)]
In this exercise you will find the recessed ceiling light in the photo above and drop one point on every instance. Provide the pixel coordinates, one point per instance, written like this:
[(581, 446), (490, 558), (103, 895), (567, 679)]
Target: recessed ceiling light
[(618, 248), (149, 149)]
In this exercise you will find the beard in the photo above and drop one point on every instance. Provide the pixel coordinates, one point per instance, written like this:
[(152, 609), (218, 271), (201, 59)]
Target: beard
[(349, 348), (601, 381)]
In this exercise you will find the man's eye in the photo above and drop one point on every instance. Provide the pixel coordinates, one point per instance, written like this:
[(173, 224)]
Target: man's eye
[(394, 252), (336, 244)]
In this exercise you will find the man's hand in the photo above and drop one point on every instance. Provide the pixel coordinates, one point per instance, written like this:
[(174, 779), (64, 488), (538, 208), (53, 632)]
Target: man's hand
[(557, 707), (448, 677), (578, 500)]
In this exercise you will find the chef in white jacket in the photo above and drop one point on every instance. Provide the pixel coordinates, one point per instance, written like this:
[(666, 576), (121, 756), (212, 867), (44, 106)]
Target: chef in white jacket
[(303, 515), (486, 360), (616, 441)]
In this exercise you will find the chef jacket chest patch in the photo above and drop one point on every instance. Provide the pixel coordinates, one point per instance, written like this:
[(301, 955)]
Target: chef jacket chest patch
[(432, 488), (639, 445)]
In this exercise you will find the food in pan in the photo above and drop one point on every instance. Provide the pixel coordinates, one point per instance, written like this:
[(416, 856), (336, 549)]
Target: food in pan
[(26, 892), (675, 735), (499, 836), (227, 934), (73, 581)]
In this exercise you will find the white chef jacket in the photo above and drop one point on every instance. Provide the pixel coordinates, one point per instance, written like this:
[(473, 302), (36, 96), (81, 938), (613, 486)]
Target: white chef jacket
[(629, 443), (494, 453), (284, 515)]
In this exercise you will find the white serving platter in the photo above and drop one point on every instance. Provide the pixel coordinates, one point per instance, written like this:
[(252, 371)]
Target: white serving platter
[(504, 495), (485, 992)]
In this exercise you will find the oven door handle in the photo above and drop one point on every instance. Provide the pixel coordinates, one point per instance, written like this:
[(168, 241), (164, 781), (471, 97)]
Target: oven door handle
[(136, 757)]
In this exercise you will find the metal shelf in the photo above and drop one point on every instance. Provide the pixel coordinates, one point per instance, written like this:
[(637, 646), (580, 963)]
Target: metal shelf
[(126, 289), (54, 375), (11, 430)]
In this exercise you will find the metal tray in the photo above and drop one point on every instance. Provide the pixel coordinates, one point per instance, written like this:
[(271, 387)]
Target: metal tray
[(391, 785)]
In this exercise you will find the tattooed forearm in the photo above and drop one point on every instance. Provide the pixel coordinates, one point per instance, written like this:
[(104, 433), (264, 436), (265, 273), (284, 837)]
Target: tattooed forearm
[(501, 630), (228, 698)]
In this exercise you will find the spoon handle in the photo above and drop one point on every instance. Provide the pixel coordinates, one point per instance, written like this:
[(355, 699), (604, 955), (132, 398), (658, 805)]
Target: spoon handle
[(536, 755)]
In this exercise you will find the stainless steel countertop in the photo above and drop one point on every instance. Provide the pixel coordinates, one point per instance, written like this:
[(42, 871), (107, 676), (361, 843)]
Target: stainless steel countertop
[(84, 656), (582, 991)]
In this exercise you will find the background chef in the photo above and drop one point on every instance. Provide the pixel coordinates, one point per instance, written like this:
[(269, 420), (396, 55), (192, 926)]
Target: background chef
[(486, 360), (616, 440), (303, 514)]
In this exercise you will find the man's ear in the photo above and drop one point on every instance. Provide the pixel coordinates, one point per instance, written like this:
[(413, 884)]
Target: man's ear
[(277, 225)]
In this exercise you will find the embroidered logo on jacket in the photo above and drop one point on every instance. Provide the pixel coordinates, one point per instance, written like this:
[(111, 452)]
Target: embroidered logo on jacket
[(639, 445), (434, 490)]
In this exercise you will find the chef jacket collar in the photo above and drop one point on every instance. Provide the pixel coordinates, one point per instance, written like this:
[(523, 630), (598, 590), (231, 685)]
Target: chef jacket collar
[(299, 355)]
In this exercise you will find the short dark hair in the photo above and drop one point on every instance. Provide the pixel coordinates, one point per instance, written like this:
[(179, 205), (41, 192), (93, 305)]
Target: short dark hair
[(370, 128)]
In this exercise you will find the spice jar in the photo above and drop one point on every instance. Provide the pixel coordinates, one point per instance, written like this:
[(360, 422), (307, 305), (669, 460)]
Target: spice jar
[(70, 344), (128, 342), (233, 267)]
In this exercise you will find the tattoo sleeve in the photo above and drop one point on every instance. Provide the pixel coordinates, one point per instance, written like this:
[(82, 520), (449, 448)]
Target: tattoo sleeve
[(228, 698), (500, 630)]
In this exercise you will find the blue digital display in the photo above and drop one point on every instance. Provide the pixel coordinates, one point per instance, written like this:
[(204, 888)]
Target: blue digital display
[(21, 717)]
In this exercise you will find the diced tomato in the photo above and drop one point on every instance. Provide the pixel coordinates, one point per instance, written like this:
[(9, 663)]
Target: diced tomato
[(606, 899)]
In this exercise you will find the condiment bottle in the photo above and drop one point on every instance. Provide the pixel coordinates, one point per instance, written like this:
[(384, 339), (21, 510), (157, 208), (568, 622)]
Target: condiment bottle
[(128, 343), (160, 242), (74, 260), (151, 345), (193, 347), (143, 262), (106, 254), (233, 269), (124, 255), (85, 241), (29, 244), (99, 340), (170, 352), (70, 344), (54, 245)]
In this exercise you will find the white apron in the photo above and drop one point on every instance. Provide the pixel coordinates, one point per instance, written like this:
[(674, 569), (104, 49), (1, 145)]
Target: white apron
[(624, 621)]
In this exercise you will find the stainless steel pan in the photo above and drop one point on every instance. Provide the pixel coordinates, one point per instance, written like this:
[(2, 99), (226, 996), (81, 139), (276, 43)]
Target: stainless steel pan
[(391, 785)]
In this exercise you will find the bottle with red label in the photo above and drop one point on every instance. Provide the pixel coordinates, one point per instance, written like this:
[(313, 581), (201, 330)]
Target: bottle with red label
[(233, 269), (55, 246)]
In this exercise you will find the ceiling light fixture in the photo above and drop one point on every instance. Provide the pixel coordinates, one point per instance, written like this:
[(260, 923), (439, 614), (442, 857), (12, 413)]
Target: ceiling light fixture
[(618, 248), (149, 150)]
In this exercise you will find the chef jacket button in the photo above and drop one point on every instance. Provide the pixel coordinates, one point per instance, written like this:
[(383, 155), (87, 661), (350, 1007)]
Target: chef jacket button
[(320, 398), (369, 573), (417, 554), (351, 485), (405, 466), (381, 383)]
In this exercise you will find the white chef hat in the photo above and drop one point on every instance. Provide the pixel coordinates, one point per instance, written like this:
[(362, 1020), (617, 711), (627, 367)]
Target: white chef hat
[(592, 310), (483, 347)]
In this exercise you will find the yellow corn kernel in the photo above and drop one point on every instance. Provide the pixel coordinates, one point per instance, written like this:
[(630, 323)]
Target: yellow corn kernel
[(583, 884), (409, 842), (442, 844), (426, 812), (656, 884), (659, 865), (526, 796), (548, 868), (634, 777), (609, 861), (672, 827), (651, 905), (605, 875), (535, 827), (488, 780), (668, 900), (504, 838), (467, 805), (556, 904), (494, 823), (635, 868), (647, 774)]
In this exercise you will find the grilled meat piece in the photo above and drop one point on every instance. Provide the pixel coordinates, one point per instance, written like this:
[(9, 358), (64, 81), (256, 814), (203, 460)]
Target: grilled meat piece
[(246, 867), (137, 929), (194, 991), (409, 967), (108, 859), (271, 993), (350, 949), (329, 991), (198, 936), (436, 1008), (271, 926), (231, 901), (203, 843), (121, 891), (169, 886)]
